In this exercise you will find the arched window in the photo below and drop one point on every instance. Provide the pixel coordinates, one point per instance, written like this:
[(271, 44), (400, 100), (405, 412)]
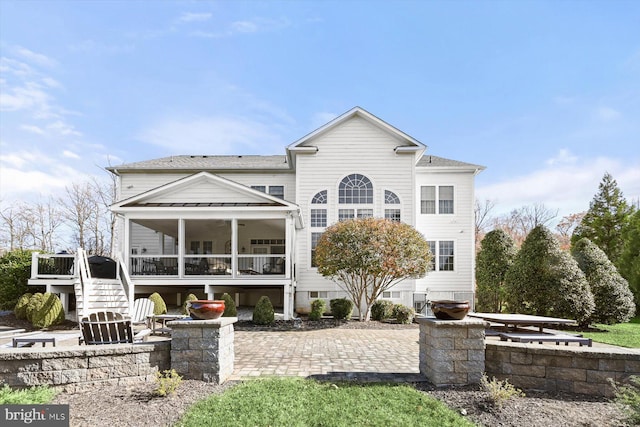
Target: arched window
[(320, 198), (319, 216), (391, 212), (390, 198), (355, 189)]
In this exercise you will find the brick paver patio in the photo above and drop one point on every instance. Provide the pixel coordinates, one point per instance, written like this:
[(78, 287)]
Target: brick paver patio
[(363, 354)]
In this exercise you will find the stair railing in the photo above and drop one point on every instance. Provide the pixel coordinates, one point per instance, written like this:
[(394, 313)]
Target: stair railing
[(125, 280), (85, 281)]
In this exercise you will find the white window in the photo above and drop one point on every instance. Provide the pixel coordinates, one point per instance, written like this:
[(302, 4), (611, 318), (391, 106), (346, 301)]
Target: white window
[(443, 255), (391, 294), (273, 190), (355, 189), (443, 194), (318, 294), (314, 242), (318, 217), (391, 212)]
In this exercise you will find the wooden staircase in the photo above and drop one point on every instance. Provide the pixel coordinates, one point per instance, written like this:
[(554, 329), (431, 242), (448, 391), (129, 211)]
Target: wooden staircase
[(97, 294)]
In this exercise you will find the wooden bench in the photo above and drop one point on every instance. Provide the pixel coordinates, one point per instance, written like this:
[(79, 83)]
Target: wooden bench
[(540, 338), (29, 341), (109, 328)]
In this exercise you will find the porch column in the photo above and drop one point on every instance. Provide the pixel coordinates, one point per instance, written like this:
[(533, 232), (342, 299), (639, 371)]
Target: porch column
[(234, 247), (181, 244), (289, 241), (287, 301), (126, 249)]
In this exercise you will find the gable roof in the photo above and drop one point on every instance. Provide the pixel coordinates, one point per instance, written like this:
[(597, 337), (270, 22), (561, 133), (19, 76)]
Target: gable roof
[(154, 197), (430, 161), (207, 163), (302, 145)]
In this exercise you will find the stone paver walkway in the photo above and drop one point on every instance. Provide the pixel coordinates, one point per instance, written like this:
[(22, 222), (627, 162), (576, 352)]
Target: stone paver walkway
[(331, 354)]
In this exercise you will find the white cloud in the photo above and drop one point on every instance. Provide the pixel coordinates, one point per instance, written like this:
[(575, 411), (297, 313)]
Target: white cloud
[(70, 154), (194, 17), (563, 157), (63, 129), (32, 129), (247, 26), (244, 27), (568, 186), (606, 114), (34, 57), (25, 174), (213, 135)]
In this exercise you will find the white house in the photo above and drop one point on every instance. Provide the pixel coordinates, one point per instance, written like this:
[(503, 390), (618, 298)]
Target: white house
[(248, 225)]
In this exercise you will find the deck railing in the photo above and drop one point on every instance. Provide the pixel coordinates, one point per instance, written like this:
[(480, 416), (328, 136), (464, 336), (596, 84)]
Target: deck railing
[(65, 266)]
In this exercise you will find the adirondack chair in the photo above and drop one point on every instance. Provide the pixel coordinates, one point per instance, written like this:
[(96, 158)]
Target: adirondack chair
[(109, 328), (142, 309)]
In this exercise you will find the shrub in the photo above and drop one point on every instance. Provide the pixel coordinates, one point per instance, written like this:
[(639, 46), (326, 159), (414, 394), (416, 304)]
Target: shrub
[(15, 270), (28, 396), (341, 308), (403, 314), (159, 306), (190, 297), (35, 303), (20, 309), (546, 281), (628, 396), (230, 309), (263, 312), (49, 311), (167, 382), (500, 391), (611, 293), (493, 261), (317, 309), (381, 310)]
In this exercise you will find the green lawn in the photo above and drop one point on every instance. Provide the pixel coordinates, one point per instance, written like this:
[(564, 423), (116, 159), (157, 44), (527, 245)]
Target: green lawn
[(300, 402), (622, 334)]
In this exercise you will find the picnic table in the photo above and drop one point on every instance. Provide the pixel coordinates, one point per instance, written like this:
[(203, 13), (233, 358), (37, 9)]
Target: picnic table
[(513, 324), (517, 320)]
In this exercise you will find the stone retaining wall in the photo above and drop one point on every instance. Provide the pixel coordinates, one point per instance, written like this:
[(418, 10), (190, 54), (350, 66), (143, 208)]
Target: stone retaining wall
[(203, 349), (574, 369), (74, 367), (452, 351)]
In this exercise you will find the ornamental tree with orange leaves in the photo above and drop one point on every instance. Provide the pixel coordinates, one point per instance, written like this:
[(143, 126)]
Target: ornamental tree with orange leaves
[(368, 256)]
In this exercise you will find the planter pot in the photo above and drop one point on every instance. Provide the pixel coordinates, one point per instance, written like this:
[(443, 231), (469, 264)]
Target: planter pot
[(450, 310), (204, 309)]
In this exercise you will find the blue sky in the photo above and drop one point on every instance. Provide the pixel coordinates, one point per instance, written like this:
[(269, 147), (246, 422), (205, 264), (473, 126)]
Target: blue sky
[(546, 95)]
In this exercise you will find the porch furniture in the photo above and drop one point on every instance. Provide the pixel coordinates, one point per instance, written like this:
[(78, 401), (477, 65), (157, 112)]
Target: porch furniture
[(142, 309), (163, 319), (540, 338), (521, 320), (29, 341), (109, 328)]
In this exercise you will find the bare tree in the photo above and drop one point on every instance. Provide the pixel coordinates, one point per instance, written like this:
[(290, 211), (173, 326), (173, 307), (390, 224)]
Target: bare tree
[(44, 219), (481, 212), (565, 228), (519, 222), (14, 231), (86, 210), (106, 192)]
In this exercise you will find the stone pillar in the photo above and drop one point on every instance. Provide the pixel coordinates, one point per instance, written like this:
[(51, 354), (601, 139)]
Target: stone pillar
[(203, 349), (452, 351)]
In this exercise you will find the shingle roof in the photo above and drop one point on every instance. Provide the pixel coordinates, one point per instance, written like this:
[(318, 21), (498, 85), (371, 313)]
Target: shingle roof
[(199, 163), (434, 161)]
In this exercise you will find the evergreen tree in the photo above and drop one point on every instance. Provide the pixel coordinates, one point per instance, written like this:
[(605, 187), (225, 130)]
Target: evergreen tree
[(611, 293), (545, 280), (496, 255), (604, 221), (629, 261)]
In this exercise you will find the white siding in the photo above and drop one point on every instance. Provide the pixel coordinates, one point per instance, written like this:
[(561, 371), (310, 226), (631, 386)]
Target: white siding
[(356, 146), (133, 184), (458, 227)]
